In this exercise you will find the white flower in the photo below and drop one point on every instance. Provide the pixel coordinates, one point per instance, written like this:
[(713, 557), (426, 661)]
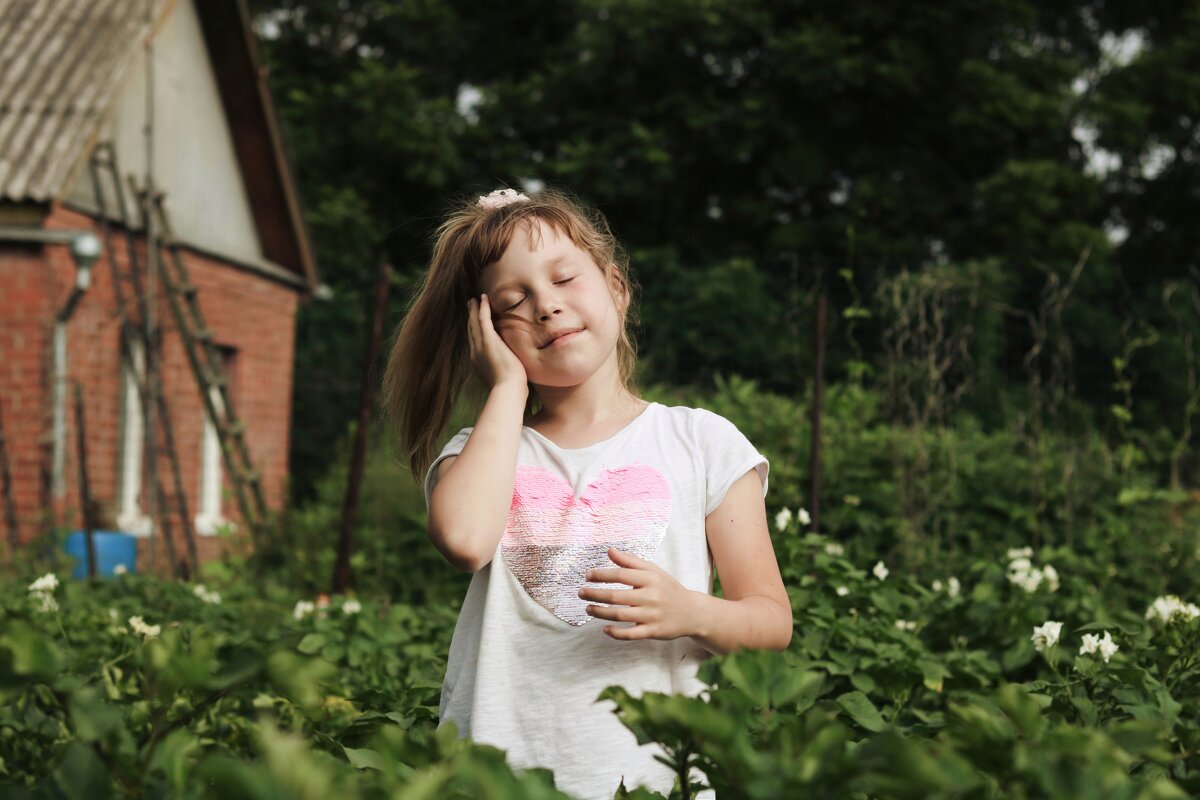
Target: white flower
[(1046, 635), (879, 570), (1169, 608), (46, 583), (1093, 643), (851, 499), (803, 516), (303, 607), (1050, 574), (146, 631), (48, 603), (842, 591), (351, 606), (953, 587), (1015, 553), (834, 549), (936, 586), (205, 595), (906, 625), (1108, 648), (112, 614), (783, 518), (120, 569), (1022, 573), (1021, 564)]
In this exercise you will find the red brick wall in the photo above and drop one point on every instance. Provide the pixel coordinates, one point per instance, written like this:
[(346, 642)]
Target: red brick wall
[(251, 314), (26, 313)]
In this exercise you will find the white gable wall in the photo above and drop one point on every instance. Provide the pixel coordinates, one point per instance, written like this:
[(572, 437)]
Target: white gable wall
[(194, 160)]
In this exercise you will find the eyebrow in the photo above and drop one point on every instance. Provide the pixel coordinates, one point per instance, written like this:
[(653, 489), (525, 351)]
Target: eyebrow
[(551, 263)]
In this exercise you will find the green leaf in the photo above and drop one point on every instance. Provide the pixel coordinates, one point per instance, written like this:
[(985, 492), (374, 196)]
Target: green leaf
[(311, 644), (863, 682), (363, 758), (860, 709), (81, 773), (933, 674), (93, 718), (27, 654), (173, 756)]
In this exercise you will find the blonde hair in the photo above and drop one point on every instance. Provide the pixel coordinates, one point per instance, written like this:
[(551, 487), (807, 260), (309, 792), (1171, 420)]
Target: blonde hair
[(429, 362)]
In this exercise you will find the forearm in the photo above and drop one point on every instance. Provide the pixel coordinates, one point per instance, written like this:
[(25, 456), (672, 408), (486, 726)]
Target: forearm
[(469, 508), (723, 626)]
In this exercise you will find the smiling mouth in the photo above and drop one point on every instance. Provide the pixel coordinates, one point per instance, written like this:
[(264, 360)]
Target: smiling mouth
[(559, 338)]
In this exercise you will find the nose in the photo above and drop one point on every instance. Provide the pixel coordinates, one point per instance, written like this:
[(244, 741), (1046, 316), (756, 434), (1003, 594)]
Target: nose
[(547, 307)]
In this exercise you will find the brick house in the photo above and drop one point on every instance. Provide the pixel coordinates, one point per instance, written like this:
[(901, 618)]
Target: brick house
[(74, 77)]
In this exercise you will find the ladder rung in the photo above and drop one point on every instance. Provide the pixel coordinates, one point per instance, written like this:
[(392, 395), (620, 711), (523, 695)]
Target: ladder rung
[(203, 334), (185, 289)]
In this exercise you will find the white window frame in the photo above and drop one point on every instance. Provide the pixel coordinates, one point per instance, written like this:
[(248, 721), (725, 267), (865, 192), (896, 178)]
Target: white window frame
[(209, 518), (130, 516)]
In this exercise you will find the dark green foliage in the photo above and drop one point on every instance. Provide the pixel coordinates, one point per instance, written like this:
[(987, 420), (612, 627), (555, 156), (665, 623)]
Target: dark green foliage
[(738, 147)]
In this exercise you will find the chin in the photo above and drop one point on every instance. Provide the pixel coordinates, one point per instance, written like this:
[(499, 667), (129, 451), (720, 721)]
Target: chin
[(561, 379)]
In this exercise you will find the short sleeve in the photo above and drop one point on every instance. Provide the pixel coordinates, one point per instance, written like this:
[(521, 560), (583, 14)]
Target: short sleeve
[(728, 455), (452, 448)]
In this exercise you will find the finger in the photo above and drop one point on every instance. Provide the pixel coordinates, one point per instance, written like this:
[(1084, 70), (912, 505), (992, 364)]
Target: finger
[(624, 559), (616, 613), (630, 633), (625, 597), (486, 317), (633, 577)]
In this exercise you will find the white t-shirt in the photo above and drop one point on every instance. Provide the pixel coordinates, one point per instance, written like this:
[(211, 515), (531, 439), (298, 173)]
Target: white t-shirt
[(527, 662)]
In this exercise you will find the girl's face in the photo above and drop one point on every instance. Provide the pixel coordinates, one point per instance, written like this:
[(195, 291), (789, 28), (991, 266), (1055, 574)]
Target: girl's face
[(553, 287)]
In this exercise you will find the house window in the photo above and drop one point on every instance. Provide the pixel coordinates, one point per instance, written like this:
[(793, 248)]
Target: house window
[(130, 516), (209, 518)]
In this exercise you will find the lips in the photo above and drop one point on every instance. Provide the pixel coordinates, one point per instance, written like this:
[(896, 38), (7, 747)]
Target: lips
[(558, 335)]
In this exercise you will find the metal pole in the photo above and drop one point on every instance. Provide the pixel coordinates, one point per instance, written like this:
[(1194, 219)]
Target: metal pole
[(150, 440), (814, 467), (341, 570), (85, 496)]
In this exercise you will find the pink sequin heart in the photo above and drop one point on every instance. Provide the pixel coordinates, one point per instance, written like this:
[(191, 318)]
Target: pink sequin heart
[(553, 537)]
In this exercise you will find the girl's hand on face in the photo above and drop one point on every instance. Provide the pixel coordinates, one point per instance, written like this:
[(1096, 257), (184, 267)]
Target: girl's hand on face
[(494, 361), (659, 605)]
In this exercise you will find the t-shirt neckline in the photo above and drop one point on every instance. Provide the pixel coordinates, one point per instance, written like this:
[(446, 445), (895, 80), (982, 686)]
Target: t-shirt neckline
[(628, 426)]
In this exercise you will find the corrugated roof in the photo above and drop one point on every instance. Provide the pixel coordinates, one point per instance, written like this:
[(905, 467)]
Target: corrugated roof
[(60, 63)]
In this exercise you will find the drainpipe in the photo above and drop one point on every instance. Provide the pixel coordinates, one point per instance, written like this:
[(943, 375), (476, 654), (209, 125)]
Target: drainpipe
[(85, 249)]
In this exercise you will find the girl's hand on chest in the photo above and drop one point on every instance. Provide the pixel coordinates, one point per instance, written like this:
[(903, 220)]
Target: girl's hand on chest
[(659, 605)]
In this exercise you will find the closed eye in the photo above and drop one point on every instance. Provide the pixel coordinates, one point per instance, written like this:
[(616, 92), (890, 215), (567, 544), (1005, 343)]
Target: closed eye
[(522, 300)]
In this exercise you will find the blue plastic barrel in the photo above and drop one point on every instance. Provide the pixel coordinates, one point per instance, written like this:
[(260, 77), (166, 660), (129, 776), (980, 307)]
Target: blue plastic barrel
[(112, 548)]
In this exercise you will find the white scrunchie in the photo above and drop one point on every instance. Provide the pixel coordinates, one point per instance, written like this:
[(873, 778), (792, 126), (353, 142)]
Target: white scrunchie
[(501, 198)]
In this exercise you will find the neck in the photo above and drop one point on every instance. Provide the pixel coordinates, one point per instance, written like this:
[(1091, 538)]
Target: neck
[(600, 399)]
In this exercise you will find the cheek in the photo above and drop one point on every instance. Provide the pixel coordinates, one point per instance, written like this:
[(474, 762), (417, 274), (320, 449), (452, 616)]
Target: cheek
[(513, 334)]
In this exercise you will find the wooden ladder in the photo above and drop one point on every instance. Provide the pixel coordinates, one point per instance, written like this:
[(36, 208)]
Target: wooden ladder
[(206, 363), (147, 376)]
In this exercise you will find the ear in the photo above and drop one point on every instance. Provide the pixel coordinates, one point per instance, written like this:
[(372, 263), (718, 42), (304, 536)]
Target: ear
[(619, 287)]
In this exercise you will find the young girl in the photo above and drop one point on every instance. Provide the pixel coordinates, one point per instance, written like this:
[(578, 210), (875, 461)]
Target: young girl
[(591, 526)]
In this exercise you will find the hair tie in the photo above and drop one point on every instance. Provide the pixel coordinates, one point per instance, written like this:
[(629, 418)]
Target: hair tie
[(501, 198)]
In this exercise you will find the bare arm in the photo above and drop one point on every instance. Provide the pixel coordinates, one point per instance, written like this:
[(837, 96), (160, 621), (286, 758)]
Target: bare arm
[(469, 507), (468, 510), (756, 611)]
